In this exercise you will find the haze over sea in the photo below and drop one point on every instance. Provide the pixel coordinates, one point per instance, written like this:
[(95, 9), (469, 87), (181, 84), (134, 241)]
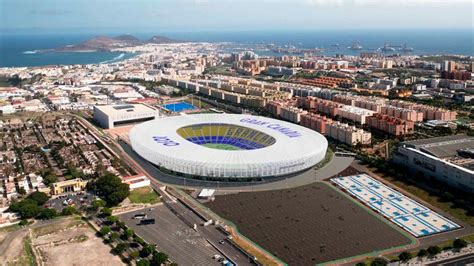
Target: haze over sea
[(18, 49)]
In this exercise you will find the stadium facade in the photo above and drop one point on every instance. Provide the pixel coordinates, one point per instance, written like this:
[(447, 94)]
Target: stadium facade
[(228, 146)]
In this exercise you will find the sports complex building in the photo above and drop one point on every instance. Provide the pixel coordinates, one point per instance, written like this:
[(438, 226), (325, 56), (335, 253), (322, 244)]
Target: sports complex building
[(228, 147)]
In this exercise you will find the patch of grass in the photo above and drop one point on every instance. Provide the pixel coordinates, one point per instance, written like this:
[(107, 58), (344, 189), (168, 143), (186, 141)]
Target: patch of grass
[(261, 257), (216, 146), (327, 158), (10, 228), (195, 102), (144, 195), (81, 238), (59, 224), (27, 257), (29, 252)]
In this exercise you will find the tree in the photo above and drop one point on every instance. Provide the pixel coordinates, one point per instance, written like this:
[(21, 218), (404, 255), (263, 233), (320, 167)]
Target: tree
[(433, 250), (40, 197), (129, 233), (46, 214), (106, 212), (361, 264), (111, 189), (405, 256), (143, 262), (96, 204), (50, 179), (120, 248), (112, 219), (459, 243), (105, 231), (139, 240), (121, 224), (113, 236), (134, 255), (70, 210), (158, 259), (26, 208), (422, 253), (146, 251)]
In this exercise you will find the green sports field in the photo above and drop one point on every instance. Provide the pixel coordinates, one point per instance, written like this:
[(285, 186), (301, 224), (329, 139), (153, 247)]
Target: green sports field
[(221, 146)]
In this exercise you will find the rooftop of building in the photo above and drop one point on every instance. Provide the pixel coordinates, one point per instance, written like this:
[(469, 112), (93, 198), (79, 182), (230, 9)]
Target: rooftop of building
[(443, 147), (124, 108)]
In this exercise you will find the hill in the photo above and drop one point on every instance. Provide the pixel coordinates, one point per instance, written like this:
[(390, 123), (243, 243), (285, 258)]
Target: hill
[(157, 39), (106, 43)]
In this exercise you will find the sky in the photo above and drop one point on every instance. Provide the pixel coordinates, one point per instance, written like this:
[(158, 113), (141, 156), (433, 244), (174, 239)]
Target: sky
[(231, 15)]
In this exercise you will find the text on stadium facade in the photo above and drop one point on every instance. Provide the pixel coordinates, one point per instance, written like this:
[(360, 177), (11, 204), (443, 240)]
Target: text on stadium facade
[(275, 126), (165, 141)]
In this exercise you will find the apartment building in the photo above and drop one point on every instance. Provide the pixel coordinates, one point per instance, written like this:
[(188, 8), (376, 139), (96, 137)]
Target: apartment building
[(391, 125)]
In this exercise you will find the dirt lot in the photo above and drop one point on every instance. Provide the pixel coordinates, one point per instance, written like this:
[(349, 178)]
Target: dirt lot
[(307, 225), (72, 237), (12, 248)]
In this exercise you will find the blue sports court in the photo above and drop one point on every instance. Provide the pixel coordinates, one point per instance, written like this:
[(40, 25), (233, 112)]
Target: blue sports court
[(179, 107)]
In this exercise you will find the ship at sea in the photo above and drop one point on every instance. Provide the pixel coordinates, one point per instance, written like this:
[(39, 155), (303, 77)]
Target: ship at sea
[(405, 48), (387, 48), (355, 46)]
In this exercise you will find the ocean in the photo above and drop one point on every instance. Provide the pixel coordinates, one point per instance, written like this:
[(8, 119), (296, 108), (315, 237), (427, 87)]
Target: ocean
[(19, 49)]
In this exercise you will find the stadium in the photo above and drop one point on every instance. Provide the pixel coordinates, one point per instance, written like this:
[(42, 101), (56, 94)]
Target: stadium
[(227, 147)]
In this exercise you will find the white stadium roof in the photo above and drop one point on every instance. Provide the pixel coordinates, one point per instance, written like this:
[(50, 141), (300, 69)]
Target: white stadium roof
[(295, 149)]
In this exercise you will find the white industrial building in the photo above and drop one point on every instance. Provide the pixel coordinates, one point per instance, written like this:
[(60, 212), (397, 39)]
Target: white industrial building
[(110, 116), (448, 159), (136, 181)]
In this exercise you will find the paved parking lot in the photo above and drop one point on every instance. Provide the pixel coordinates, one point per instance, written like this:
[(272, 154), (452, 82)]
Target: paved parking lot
[(171, 235), (77, 199)]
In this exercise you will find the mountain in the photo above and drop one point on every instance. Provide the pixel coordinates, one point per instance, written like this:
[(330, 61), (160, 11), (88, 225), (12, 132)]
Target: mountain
[(101, 43), (157, 39), (128, 38), (105, 43)]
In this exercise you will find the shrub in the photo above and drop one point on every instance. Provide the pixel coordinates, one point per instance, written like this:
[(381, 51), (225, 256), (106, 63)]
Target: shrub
[(422, 253), (159, 258), (378, 262), (433, 250), (459, 243), (405, 256)]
